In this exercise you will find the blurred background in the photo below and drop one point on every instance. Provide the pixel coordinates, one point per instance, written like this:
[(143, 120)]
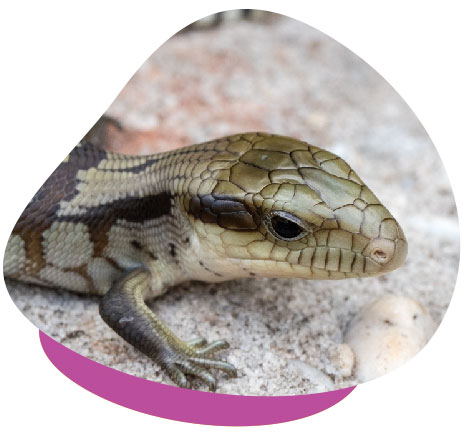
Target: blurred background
[(252, 70)]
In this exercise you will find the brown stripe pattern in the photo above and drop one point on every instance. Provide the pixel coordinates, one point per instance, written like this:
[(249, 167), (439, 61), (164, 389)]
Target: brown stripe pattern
[(203, 212)]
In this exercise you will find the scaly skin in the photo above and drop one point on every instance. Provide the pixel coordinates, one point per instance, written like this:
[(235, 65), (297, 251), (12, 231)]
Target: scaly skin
[(252, 204)]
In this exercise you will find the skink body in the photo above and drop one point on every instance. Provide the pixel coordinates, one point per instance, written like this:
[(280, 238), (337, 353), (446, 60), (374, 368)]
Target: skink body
[(252, 204)]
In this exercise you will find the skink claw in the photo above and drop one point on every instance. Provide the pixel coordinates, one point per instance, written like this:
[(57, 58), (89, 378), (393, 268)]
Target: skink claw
[(195, 358), (205, 349)]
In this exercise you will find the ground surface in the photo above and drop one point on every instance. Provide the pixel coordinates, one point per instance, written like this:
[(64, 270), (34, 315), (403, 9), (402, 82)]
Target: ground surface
[(277, 76)]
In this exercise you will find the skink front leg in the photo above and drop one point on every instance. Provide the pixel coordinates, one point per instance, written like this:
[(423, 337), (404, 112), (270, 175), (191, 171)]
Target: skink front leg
[(123, 308)]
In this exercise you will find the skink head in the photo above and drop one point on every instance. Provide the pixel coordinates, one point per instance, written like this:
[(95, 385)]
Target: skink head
[(281, 207)]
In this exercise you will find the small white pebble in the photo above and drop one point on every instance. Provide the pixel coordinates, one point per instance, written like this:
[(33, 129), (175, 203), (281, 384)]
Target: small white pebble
[(387, 333), (321, 380), (342, 359)]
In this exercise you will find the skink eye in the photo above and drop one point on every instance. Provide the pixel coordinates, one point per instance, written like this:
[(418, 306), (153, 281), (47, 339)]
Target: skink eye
[(285, 226)]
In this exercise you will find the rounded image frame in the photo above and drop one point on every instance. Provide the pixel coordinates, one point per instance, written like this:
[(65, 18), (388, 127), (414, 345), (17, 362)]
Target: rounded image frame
[(308, 342)]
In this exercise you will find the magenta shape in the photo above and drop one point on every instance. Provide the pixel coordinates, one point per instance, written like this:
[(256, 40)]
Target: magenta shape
[(183, 404)]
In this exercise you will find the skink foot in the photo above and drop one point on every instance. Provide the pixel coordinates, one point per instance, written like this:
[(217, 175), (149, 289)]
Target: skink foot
[(123, 308), (195, 358)]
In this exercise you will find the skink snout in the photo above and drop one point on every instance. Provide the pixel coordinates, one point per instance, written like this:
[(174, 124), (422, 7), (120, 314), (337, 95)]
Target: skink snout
[(389, 252), (386, 253)]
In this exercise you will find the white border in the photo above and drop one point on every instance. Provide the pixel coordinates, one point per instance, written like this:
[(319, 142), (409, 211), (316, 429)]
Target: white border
[(62, 67)]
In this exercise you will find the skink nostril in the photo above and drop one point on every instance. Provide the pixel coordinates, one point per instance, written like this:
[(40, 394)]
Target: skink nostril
[(380, 250), (379, 255)]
